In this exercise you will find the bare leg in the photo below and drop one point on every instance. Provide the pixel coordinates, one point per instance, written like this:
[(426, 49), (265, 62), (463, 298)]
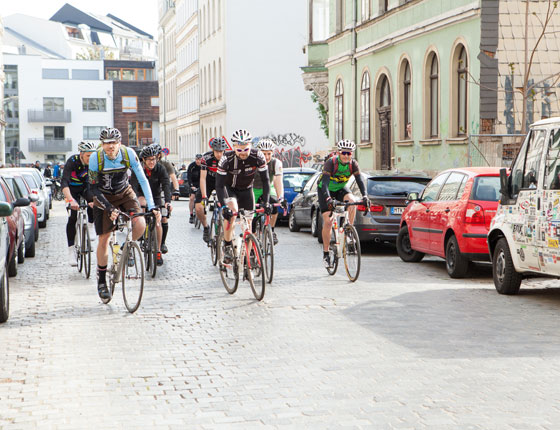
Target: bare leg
[(102, 251), (228, 232), (200, 214), (351, 209)]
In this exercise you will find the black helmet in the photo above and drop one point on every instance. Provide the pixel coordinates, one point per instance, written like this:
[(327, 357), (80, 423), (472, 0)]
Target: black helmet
[(149, 151), (219, 144), (198, 156)]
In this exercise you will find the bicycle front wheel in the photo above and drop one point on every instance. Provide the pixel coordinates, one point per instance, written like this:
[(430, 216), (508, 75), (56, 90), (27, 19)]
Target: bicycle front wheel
[(228, 272), (333, 254), (268, 252), (153, 251), (78, 247), (132, 277), (351, 252), (214, 233), (254, 265), (86, 250)]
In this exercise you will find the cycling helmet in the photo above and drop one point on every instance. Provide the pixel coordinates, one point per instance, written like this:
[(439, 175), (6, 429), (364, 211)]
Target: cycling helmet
[(266, 144), (110, 134), (149, 151), (49, 164), (241, 137), (198, 156), (219, 144), (183, 167), (86, 146), (346, 144), (157, 147)]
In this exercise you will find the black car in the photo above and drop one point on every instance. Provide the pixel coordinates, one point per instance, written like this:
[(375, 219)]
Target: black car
[(183, 179), (305, 207)]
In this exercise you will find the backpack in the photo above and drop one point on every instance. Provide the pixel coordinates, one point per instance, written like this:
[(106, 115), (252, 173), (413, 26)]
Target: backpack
[(101, 159)]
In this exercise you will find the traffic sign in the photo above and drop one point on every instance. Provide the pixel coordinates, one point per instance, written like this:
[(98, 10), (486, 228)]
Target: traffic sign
[(165, 151)]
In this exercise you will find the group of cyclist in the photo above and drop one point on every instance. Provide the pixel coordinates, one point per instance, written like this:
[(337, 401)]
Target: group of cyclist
[(111, 178)]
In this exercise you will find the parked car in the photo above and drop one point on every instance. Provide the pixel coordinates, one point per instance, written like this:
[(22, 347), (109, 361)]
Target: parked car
[(16, 225), (19, 190), (6, 210), (183, 180), (304, 207), (451, 218), (30, 176), (27, 192), (43, 186), (294, 179), (525, 234)]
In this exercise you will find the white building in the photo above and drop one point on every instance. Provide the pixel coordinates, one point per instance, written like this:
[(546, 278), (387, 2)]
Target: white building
[(53, 105), (2, 113)]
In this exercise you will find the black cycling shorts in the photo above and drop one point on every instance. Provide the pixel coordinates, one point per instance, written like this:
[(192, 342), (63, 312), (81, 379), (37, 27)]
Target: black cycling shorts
[(335, 195), (245, 197), (210, 186)]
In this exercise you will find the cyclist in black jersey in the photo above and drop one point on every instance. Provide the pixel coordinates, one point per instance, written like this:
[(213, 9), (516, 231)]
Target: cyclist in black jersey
[(159, 182), (193, 178), (208, 170), (234, 183), (75, 185)]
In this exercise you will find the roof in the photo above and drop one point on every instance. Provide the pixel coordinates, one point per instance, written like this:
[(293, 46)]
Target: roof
[(32, 43), (476, 171), (547, 121), (68, 14), (136, 29), (396, 174), (299, 170)]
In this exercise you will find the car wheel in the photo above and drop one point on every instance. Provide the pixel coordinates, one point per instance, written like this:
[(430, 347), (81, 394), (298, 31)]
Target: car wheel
[(12, 266), (30, 250), (314, 224), (4, 297), (404, 248), (506, 279), (21, 252), (292, 221), (37, 233), (455, 262)]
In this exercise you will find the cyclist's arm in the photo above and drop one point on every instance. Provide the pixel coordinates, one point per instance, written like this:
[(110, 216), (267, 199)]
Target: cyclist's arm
[(141, 177), (93, 179), (326, 180), (166, 185), (203, 183), (189, 175), (174, 181), (221, 188), (263, 171), (278, 180)]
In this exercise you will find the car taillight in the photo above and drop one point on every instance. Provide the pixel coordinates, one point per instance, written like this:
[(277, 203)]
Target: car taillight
[(35, 192), (372, 208), (474, 214)]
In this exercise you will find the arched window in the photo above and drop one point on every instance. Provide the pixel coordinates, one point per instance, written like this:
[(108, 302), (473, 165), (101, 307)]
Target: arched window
[(213, 16), (462, 69), (384, 93), (203, 23), (219, 11), (214, 84), (434, 97), (219, 77), (406, 85), (221, 134), (365, 117), (338, 111)]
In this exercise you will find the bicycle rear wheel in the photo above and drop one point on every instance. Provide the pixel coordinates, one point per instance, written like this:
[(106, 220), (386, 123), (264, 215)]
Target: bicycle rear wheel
[(132, 277), (333, 254), (214, 233), (351, 252), (268, 252), (228, 272), (86, 250), (254, 266), (153, 250), (78, 247)]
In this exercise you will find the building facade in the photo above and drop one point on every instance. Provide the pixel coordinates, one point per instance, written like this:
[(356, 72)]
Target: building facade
[(412, 81), (2, 110)]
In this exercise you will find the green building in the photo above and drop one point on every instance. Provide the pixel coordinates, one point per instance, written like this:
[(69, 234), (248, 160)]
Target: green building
[(412, 81)]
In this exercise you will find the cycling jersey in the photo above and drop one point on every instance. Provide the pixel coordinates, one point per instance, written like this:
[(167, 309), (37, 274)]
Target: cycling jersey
[(338, 178), (158, 180), (75, 173), (113, 179), (275, 168), (209, 163), (193, 175)]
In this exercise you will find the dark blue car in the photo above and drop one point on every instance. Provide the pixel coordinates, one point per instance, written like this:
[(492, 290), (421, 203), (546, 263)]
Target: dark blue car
[(295, 179)]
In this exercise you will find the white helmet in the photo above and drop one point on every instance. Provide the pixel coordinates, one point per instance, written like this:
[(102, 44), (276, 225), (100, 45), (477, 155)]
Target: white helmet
[(346, 144), (87, 146), (266, 144), (241, 137)]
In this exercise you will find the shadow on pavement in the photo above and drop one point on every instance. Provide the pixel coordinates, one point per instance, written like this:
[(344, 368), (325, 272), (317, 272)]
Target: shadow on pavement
[(468, 323)]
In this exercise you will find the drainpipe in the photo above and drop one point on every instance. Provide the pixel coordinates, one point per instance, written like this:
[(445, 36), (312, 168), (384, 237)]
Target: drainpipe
[(354, 64)]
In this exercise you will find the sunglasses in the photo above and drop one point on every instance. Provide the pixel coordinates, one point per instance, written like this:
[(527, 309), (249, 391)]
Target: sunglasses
[(346, 152), (243, 149)]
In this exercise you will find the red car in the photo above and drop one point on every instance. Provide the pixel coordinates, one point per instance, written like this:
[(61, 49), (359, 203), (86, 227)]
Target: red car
[(451, 219)]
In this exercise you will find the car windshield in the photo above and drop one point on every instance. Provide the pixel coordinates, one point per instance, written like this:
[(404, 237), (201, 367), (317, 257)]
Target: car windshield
[(30, 180), (293, 180), (184, 176), (486, 188), (396, 187)]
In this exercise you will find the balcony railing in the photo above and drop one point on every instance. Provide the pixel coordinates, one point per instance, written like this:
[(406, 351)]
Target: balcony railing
[(50, 145), (40, 115)]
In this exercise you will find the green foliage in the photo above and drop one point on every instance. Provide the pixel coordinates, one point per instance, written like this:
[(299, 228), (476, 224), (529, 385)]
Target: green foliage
[(94, 54), (323, 117)]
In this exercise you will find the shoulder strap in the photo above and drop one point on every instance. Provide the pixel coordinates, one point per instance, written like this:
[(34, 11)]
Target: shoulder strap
[(335, 162), (126, 157), (100, 160)]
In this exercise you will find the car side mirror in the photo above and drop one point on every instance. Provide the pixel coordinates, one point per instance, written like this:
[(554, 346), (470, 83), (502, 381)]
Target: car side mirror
[(33, 198), (22, 201), (298, 189), (504, 187), (413, 197), (6, 209)]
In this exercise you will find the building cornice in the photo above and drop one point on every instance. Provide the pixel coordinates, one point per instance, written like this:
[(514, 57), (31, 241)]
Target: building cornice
[(213, 111)]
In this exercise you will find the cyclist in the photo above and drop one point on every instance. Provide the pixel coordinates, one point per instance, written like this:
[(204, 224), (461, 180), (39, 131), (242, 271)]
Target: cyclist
[(75, 185), (208, 169), (193, 178), (234, 183), (275, 175), (159, 181), (109, 183), (170, 171), (337, 171), (47, 173)]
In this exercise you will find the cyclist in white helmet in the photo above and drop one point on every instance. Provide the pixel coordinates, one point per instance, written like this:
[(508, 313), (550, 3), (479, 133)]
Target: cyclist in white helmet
[(337, 171)]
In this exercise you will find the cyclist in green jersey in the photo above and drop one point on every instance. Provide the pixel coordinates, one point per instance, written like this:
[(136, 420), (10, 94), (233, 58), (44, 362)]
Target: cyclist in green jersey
[(337, 171)]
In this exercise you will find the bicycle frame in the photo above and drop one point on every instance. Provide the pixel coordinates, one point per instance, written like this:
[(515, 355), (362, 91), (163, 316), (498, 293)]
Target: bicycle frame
[(244, 219), (121, 225), (341, 212)]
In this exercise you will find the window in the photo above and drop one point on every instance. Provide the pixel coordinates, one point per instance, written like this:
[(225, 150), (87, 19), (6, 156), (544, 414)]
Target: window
[(366, 10), (432, 190), (451, 188), (55, 73), (74, 33), (113, 74), (10, 78), (92, 132), (320, 20), (53, 104), (155, 101), (340, 15), (133, 133), (462, 68), (147, 125), (365, 118), (433, 110), (553, 161), (385, 93), (524, 173), (56, 132), (486, 188), (129, 103), (128, 75), (383, 6), (94, 105), (338, 111), (85, 75), (407, 119), (11, 108)]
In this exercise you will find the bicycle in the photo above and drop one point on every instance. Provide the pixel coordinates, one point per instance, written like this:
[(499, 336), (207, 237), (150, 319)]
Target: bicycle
[(345, 242), (263, 231), (126, 264), (215, 227), (247, 258), (149, 241), (58, 194), (82, 242)]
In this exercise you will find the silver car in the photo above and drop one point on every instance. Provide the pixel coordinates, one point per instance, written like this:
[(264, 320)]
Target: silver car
[(38, 186), (6, 209)]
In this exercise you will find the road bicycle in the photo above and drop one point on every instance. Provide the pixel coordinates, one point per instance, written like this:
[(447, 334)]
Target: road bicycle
[(82, 241), (126, 262), (57, 194), (215, 226), (345, 242), (263, 231), (247, 257)]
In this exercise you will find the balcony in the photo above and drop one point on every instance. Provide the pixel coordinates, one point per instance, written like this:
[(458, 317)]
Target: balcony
[(50, 145), (40, 115)]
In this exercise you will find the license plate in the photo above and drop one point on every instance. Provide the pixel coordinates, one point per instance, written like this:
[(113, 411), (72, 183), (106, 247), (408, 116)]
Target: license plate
[(397, 210)]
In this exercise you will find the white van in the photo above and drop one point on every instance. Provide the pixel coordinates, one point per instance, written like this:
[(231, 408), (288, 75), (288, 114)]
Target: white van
[(525, 233)]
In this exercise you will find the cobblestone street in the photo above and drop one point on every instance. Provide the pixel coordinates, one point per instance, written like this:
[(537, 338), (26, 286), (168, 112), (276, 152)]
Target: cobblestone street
[(405, 347)]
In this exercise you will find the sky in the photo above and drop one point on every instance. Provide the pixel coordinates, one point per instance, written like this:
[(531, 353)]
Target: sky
[(140, 13)]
